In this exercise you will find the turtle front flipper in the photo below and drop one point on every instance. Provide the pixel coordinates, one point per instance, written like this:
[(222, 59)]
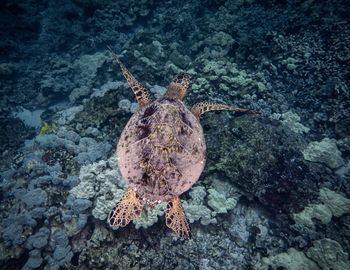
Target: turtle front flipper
[(202, 107), (176, 219), (141, 93), (128, 208), (178, 86)]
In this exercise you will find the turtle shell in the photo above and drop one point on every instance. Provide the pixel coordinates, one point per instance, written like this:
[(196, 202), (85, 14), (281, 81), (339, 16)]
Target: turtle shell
[(161, 151)]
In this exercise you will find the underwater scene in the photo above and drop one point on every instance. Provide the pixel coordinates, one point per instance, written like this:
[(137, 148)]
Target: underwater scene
[(210, 134)]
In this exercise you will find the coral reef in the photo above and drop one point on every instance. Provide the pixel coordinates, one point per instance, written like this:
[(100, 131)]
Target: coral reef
[(251, 158), (332, 204), (291, 260), (275, 191), (292, 121), (101, 185), (328, 254), (325, 151), (324, 254), (30, 119)]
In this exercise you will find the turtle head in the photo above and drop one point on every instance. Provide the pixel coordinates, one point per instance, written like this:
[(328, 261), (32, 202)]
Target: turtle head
[(178, 86)]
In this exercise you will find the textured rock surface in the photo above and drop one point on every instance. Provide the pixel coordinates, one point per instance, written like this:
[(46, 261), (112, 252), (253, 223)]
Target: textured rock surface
[(329, 254), (324, 254), (262, 158), (34, 261), (291, 260), (30, 119), (38, 240)]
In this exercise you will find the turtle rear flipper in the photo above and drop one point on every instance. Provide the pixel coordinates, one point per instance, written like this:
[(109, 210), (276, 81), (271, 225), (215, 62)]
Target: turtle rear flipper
[(176, 219), (129, 208)]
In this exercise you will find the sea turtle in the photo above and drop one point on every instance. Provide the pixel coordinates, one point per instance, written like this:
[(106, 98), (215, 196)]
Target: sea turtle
[(161, 152)]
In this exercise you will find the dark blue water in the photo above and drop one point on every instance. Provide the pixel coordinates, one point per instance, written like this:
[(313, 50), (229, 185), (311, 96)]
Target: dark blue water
[(274, 192)]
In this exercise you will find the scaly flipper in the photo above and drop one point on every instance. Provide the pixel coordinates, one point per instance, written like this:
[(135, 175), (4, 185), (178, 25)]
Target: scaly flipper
[(128, 208), (178, 86), (141, 93), (202, 107), (176, 219)]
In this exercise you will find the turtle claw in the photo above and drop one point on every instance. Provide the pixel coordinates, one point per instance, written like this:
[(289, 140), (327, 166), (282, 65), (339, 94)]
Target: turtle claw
[(128, 208), (176, 219)]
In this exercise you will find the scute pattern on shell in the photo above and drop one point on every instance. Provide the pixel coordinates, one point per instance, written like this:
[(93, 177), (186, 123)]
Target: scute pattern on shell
[(161, 152)]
